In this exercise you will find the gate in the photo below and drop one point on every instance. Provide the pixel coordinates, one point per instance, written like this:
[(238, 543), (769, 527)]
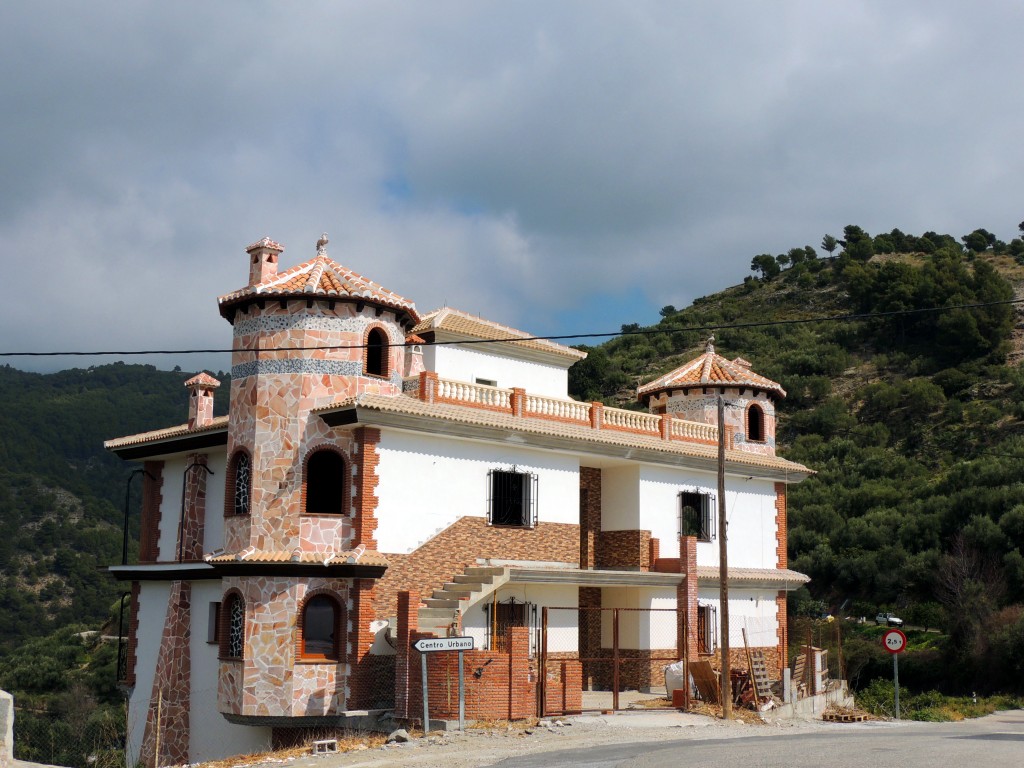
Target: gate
[(590, 656)]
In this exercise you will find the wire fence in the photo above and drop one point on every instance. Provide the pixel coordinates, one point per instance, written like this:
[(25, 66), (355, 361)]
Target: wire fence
[(96, 741)]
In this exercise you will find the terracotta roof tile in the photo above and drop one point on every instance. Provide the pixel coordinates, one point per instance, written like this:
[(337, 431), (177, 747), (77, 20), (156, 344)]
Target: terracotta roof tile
[(471, 326), (710, 574), (203, 380), (709, 370), (320, 276), (220, 422), (358, 556)]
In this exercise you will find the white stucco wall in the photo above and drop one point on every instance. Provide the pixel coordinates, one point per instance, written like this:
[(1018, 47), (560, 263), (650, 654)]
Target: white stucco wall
[(153, 598), (211, 736), (466, 364), (620, 498), (562, 632), (170, 505), (750, 510), (427, 482), (639, 629), (753, 609)]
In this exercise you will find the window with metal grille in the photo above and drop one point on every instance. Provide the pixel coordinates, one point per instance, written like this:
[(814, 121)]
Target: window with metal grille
[(232, 640), (511, 498), (240, 475), (707, 628), (509, 613), (697, 515)]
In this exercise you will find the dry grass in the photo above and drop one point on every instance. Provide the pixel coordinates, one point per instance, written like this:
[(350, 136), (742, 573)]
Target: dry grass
[(748, 716), (349, 743)]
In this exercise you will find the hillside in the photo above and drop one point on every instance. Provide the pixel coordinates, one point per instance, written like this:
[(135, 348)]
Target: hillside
[(914, 422), (62, 495)]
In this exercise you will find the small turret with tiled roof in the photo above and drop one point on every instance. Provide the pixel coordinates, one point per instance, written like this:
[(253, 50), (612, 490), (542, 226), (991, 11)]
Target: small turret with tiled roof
[(691, 392)]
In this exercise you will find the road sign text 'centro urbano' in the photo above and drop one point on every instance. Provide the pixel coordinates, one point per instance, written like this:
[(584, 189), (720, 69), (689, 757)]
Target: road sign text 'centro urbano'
[(431, 645)]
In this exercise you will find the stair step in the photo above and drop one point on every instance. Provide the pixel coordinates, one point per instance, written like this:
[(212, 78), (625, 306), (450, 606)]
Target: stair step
[(464, 578), (441, 594), (441, 614), (468, 586), (484, 570), (450, 603)]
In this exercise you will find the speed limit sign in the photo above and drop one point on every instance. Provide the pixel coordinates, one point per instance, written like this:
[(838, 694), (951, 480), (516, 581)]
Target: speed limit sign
[(894, 641)]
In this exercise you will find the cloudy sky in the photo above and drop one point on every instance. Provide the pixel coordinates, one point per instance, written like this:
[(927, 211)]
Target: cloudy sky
[(558, 166)]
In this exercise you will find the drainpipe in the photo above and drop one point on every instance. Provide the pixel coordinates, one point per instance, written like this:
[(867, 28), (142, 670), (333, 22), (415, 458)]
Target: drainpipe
[(181, 516)]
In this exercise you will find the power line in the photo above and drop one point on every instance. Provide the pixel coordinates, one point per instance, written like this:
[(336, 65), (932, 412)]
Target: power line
[(563, 337)]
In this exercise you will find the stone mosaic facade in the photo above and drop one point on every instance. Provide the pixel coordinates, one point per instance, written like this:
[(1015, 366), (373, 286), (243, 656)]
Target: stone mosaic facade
[(270, 679), (703, 408)]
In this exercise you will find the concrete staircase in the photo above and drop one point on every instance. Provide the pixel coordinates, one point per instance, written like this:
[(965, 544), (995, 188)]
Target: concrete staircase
[(448, 603)]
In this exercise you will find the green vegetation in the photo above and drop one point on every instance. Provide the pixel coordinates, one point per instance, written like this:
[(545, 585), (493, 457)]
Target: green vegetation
[(913, 422)]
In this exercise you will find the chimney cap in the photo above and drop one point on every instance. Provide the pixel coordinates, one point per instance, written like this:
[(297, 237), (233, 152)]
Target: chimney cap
[(265, 244), (202, 380)]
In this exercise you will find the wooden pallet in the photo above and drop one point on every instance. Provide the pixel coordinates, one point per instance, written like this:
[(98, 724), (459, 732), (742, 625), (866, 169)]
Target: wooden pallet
[(844, 717)]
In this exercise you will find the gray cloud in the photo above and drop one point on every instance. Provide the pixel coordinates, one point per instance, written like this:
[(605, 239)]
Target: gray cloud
[(511, 159)]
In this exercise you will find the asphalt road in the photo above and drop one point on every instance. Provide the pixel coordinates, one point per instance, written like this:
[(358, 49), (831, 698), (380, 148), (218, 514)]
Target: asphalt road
[(991, 742)]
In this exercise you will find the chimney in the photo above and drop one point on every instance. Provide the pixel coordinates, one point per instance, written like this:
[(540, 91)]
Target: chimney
[(263, 260), (413, 355), (200, 400)]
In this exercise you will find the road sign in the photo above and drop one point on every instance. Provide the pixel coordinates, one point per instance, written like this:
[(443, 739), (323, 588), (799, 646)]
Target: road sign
[(894, 641), (432, 645)]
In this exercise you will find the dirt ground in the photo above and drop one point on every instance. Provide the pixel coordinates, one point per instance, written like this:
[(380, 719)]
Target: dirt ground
[(483, 746)]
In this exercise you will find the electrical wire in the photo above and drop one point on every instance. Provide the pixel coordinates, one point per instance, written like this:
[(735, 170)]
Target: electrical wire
[(612, 334)]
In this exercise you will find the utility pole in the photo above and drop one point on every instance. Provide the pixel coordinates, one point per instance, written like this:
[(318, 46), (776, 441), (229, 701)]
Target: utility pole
[(723, 566)]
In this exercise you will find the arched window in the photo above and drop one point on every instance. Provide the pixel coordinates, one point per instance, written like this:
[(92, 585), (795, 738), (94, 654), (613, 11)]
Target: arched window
[(321, 629), (377, 353), (325, 483), (755, 424), (232, 636), (239, 481)]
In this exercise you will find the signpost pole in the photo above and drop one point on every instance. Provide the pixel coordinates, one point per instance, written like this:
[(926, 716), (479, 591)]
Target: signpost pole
[(426, 706), (896, 681), (462, 695)]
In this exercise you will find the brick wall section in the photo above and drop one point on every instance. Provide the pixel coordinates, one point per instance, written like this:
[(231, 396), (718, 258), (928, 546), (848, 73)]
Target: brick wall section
[(152, 498), (782, 630), (194, 521), (686, 593), (563, 687), (133, 635), (365, 523), (408, 622), (589, 629), (781, 535), (371, 679), (171, 685), (624, 549), (590, 515), (459, 545)]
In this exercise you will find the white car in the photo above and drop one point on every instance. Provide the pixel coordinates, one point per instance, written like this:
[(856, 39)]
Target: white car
[(889, 619)]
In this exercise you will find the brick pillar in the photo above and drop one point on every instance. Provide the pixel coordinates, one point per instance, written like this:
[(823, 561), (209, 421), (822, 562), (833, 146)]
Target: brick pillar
[(171, 685), (132, 651), (665, 426), (781, 527), (518, 401), (782, 630), (365, 522), (408, 623), (589, 629), (596, 415), (590, 515), (522, 689), (194, 522), (654, 546), (686, 593), (362, 675), (152, 498), (428, 386)]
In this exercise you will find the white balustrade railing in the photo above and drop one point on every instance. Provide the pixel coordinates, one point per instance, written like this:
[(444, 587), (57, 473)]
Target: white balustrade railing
[(634, 420), (476, 394), (552, 407), (694, 430)]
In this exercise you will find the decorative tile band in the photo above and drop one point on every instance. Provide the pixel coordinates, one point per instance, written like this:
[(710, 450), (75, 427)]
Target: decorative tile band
[(301, 366), (272, 323)]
